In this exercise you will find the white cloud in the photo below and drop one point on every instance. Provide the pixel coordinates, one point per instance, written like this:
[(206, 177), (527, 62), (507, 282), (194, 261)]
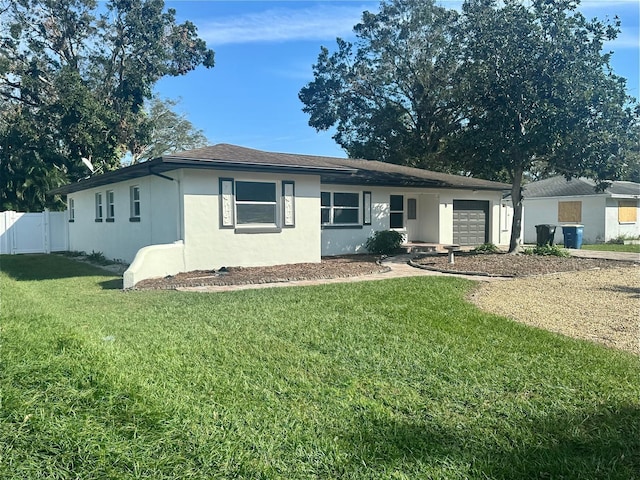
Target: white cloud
[(321, 22)]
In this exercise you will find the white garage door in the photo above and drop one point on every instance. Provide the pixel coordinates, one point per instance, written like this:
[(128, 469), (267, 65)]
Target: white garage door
[(470, 222)]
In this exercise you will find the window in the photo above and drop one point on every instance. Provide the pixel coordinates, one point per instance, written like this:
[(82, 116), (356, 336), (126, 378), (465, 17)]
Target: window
[(339, 208), (627, 211), (396, 211), (412, 209), (72, 210), (111, 206), (134, 203), (98, 207), (570, 212), (256, 203)]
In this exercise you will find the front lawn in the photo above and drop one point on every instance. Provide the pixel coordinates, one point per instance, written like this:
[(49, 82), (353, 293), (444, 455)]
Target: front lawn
[(613, 247), (388, 379)]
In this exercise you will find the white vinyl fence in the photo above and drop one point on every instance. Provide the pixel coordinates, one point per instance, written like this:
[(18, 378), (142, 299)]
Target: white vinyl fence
[(43, 232)]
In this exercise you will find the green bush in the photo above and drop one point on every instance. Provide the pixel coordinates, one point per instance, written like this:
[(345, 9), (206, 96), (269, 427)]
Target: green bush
[(98, 257), (486, 248), (384, 242), (619, 240), (547, 250)]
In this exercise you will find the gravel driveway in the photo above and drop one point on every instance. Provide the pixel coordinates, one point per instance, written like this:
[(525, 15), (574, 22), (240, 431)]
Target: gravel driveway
[(598, 305)]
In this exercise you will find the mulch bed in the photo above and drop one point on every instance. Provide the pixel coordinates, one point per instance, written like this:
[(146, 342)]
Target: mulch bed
[(329, 267), (502, 265), (505, 265)]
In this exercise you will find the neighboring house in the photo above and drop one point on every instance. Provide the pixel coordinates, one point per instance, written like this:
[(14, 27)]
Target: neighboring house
[(605, 214), (226, 205)]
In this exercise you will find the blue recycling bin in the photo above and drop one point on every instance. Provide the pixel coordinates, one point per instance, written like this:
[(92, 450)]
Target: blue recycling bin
[(572, 236)]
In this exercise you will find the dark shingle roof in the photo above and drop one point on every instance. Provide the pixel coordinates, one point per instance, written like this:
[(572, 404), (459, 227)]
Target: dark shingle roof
[(561, 187), (330, 169)]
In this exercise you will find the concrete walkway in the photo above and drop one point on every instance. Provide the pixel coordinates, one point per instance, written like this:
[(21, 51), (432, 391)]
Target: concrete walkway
[(624, 256)]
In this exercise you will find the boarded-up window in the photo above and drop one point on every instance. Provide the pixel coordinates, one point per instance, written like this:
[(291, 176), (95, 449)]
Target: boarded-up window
[(569, 212), (627, 211)]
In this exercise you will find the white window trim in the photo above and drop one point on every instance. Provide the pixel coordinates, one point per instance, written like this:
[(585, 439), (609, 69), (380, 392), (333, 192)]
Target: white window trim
[(284, 206), (72, 210), (99, 207), (332, 207), (288, 204), (111, 205), (133, 217)]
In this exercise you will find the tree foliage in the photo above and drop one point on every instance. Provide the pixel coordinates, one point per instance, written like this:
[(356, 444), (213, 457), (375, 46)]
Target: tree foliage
[(169, 132), (502, 90), (388, 94), (538, 90), (77, 73)]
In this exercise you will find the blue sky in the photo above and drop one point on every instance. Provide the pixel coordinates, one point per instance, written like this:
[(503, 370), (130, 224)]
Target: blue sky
[(264, 55)]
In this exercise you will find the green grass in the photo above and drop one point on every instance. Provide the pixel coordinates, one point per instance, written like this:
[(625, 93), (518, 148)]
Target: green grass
[(613, 247), (397, 379)]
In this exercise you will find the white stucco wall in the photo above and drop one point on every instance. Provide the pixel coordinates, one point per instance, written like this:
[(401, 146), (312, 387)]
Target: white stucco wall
[(121, 239), (613, 227), (155, 261), (539, 211), (446, 213), (208, 246), (435, 213)]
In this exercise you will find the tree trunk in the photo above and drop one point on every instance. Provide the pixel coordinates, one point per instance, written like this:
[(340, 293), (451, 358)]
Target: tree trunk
[(516, 225)]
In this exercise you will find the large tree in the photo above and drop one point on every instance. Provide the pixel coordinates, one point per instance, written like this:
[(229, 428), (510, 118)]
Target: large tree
[(76, 74), (170, 132), (388, 94), (539, 93), (502, 90)]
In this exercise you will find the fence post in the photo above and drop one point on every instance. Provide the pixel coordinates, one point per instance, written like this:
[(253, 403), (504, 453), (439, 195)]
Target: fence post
[(12, 220), (46, 231), (4, 233)]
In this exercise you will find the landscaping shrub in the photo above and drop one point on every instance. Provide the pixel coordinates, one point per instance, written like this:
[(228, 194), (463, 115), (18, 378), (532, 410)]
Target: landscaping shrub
[(384, 242), (547, 250), (98, 257), (620, 239), (486, 248)]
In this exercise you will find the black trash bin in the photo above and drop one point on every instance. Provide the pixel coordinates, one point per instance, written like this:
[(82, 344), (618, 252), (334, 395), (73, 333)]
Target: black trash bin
[(545, 234)]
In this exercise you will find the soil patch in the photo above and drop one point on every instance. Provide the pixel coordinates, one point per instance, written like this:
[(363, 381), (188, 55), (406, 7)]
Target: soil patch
[(506, 265), (329, 267)]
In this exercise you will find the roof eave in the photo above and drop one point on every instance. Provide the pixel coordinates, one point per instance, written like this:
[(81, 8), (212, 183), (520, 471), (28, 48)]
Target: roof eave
[(164, 164)]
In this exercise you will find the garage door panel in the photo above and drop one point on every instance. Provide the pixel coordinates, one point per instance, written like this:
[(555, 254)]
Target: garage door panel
[(470, 222)]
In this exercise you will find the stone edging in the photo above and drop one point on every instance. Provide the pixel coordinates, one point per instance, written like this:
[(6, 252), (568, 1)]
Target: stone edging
[(457, 272), (381, 269)]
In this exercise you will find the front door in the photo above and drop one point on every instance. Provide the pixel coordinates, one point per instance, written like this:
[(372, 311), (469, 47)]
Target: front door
[(413, 222)]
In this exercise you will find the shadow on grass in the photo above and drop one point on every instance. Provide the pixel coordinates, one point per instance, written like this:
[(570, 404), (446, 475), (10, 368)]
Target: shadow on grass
[(603, 444), (47, 267), (115, 284)]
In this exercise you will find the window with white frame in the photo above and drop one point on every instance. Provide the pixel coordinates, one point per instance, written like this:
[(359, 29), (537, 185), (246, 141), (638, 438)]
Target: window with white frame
[(339, 208), (99, 212), (134, 203), (111, 206), (256, 203), (72, 210), (396, 211)]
